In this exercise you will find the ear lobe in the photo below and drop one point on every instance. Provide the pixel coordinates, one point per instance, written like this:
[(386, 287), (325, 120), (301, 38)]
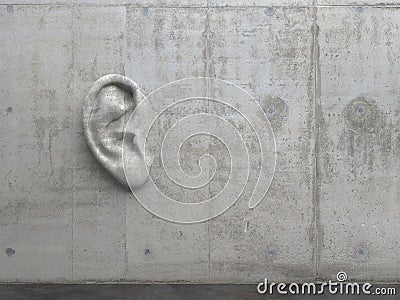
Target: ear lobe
[(107, 108)]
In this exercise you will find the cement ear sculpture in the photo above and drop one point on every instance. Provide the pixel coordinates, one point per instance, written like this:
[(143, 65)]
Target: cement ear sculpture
[(107, 107), (133, 136)]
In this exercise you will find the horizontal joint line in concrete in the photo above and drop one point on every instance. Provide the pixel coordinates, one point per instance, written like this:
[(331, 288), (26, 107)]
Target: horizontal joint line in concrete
[(204, 6)]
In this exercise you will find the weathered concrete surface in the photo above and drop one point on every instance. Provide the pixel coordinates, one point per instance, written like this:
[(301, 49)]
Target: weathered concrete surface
[(358, 125), (327, 79), (266, 3), (37, 143), (269, 55), (158, 250), (358, 5), (98, 203)]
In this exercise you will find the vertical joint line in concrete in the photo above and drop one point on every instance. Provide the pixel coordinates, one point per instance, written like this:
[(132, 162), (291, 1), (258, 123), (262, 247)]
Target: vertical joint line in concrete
[(73, 167), (315, 62), (206, 44), (125, 61), (206, 71)]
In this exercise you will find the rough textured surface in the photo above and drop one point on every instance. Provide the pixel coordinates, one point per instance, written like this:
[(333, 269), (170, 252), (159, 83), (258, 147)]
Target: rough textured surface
[(37, 143), (269, 56), (358, 172), (325, 74)]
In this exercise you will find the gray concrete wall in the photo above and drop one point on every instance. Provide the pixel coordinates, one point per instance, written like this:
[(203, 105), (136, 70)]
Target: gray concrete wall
[(326, 73)]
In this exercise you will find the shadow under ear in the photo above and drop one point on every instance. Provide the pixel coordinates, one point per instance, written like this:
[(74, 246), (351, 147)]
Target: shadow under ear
[(107, 109)]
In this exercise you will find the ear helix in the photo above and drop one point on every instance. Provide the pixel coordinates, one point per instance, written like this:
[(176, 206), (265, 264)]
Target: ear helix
[(110, 160)]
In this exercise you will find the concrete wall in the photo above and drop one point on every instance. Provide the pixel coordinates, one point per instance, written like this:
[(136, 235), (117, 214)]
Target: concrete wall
[(326, 73)]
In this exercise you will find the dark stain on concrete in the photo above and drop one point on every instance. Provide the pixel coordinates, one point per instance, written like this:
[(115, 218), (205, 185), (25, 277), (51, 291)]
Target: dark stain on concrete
[(276, 111), (147, 252), (10, 252), (270, 11), (367, 135)]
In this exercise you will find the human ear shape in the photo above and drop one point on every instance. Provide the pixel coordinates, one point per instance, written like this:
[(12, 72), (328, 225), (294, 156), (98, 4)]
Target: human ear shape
[(107, 109)]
